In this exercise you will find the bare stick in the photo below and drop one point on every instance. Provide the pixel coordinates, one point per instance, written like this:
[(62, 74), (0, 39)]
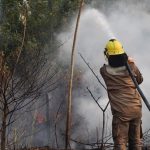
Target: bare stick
[(103, 110), (95, 99), (57, 114), (96, 78), (69, 108), (92, 144), (93, 72)]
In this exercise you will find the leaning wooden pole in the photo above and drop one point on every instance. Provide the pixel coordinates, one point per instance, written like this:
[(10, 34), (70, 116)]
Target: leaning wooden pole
[(69, 102)]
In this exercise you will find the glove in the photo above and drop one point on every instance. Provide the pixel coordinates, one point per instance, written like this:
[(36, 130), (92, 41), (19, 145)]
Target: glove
[(131, 60)]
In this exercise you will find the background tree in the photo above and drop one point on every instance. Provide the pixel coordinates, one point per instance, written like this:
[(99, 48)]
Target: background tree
[(25, 31)]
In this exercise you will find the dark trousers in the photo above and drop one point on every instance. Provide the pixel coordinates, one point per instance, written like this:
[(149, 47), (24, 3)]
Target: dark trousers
[(127, 132)]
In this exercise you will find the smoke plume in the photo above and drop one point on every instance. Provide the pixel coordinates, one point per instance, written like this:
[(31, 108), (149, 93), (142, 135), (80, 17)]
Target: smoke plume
[(127, 21)]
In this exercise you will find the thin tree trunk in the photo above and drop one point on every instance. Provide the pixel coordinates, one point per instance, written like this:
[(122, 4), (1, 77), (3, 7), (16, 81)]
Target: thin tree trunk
[(103, 131), (50, 4), (48, 119), (69, 102), (3, 130)]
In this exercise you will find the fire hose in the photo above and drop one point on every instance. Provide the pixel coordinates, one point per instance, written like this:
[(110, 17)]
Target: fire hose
[(137, 86)]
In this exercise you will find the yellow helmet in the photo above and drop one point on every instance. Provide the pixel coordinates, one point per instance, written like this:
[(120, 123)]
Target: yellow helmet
[(114, 47)]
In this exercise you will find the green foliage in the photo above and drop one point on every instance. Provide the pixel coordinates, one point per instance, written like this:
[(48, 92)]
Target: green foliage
[(10, 27), (45, 18)]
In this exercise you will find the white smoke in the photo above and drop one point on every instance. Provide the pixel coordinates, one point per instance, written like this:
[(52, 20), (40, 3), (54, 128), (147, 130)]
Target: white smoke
[(130, 24)]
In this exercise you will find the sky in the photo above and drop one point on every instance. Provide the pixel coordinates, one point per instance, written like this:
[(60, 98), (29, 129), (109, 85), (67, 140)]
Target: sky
[(128, 21)]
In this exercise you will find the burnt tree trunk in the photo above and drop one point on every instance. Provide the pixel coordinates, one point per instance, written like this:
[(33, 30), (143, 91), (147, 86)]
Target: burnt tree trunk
[(3, 129), (48, 119)]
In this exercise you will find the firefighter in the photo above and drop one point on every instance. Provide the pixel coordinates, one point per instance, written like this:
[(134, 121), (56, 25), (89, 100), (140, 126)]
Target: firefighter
[(124, 99)]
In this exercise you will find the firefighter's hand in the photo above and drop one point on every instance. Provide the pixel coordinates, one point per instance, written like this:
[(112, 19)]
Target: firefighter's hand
[(131, 60)]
